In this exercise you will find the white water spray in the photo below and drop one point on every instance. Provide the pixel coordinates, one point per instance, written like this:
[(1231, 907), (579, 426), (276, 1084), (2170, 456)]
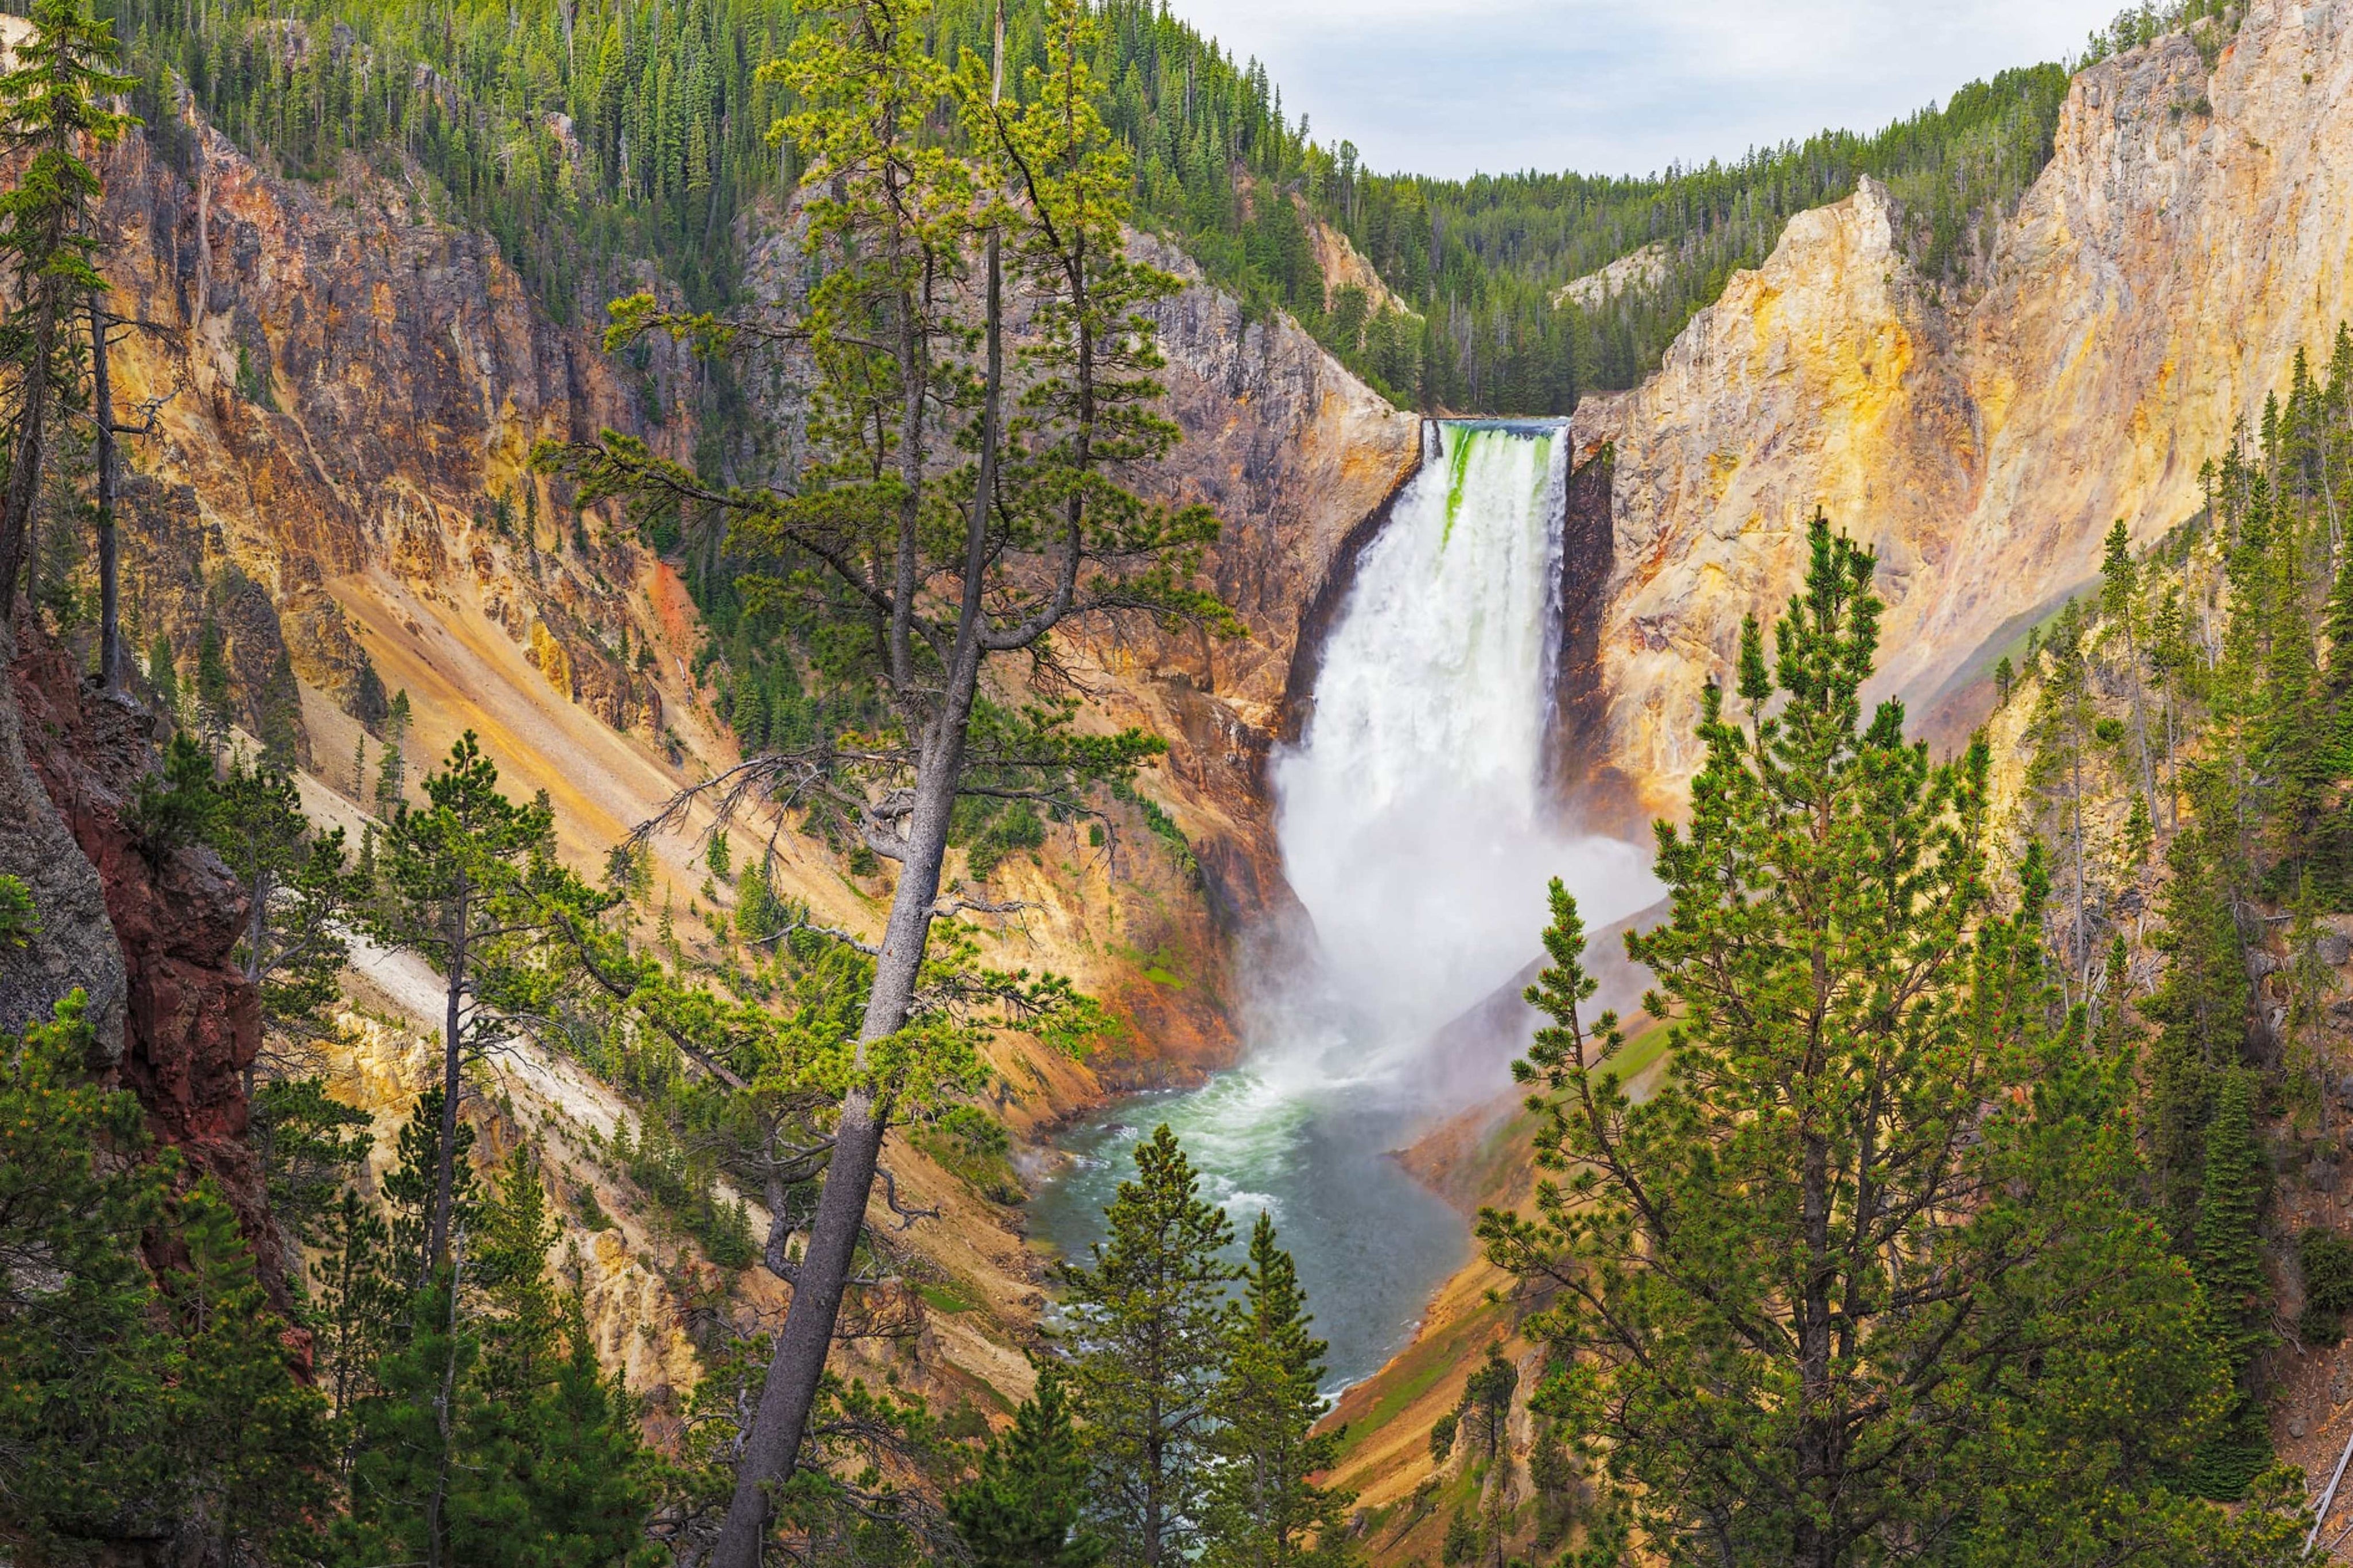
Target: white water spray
[(1416, 829), (1412, 815)]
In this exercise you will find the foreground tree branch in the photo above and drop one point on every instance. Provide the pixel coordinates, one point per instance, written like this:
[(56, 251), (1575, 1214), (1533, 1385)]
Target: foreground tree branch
[(959, 506)]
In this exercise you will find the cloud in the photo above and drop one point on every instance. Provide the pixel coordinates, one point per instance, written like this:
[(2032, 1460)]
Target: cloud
[(1623, 86)]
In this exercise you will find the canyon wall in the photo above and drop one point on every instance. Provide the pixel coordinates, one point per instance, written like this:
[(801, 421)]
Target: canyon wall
[(339, 390), (1294, 454), (2193, 230), (344, 389)]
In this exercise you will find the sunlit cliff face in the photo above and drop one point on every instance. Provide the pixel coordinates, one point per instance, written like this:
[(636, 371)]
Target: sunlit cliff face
[(2188, 238)]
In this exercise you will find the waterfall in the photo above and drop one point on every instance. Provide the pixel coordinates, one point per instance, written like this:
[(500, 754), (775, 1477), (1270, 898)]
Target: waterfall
[(1416, 829), (1413, 817)]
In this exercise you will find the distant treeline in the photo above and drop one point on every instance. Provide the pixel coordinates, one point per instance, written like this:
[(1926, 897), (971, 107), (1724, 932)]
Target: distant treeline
[(1485, 258), (589, 136)]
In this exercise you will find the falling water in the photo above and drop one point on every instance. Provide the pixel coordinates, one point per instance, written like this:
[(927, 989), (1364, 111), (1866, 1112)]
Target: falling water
[(1416, 832), (1412, 815)]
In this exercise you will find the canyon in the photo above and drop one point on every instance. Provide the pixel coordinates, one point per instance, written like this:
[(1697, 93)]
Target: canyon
[(2191, 237), (344, 388), (339, 391)]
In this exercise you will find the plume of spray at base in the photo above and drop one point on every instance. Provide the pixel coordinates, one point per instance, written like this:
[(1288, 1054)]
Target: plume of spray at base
[(1413, 815)]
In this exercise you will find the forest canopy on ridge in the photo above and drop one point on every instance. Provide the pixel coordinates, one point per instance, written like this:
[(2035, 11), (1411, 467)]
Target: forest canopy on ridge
[(587, 138)]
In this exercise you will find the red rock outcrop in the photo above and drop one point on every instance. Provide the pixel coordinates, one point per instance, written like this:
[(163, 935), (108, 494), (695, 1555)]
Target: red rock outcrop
[(192, 1022)]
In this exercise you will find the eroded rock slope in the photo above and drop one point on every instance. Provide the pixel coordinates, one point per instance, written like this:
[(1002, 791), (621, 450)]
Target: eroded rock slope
[(343, 389), (2192, 232)]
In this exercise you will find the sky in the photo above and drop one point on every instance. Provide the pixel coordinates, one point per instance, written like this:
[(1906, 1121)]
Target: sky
[(1618, 87)]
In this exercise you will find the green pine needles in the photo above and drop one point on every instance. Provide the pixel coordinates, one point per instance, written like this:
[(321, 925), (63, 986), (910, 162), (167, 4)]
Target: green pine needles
[(1865, 1273), (55, 104), (1152, 1315), (1197, 1408), (1264, 1508), (1026, 1507), (136, 1403)]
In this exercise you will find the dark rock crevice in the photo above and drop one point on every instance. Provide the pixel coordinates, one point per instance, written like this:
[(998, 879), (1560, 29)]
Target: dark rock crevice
[(188, 1023), (1594, 793), (73, 945)]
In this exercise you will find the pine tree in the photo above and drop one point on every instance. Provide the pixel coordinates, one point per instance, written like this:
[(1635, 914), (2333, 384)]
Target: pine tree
[(1264, 1510), (405, 1458), (2296, 757), (586, 1477), (2139, 834), (2175, 662), (54, 563), (2311, 980), (515, 1309), (392, 768), (82, 1395), (359, 1306), (2228, 1260), (1443, 1432), (1757, 1272), (253, 1442), (53, 105), (489, 1437), (370, 706), (410, 1186), (214, 683), (2120, 613), (310, 1145), (1487, 1399), (173, 807), (565, 1477), (2201, 1012), (279, 712), (300, 896), (1045, 533), (2061, 736), (1153, 1329), (1024, 1508), (2228, 1254), (2334, 718), (471, 882), (163, 673)]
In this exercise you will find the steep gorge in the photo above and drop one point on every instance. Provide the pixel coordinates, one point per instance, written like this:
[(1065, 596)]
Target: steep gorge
[(346, 386), (342, 389), (2191, 235), (348, 389)]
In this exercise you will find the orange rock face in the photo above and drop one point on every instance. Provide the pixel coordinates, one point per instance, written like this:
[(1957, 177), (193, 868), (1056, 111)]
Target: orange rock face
[(346, 391), (2193, 230)]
